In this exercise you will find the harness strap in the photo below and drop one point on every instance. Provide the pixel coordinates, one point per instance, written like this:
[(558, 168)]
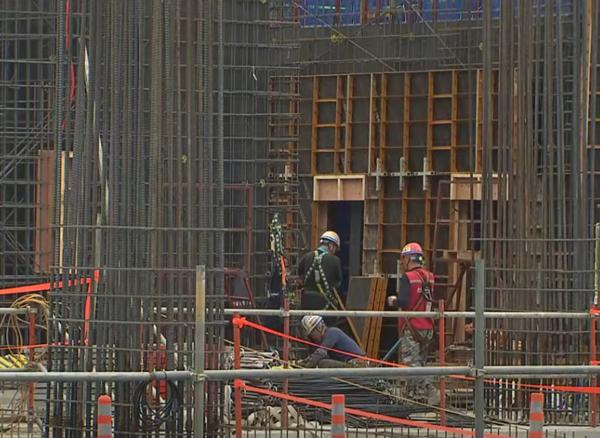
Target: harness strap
[(417, 304), (316, 268)]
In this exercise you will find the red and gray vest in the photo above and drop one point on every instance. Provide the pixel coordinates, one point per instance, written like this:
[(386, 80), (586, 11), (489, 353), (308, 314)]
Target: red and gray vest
[(417, 302)]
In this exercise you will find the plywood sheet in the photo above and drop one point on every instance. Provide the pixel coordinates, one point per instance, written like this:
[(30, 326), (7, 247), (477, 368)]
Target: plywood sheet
[(359, 292), (367, 293)]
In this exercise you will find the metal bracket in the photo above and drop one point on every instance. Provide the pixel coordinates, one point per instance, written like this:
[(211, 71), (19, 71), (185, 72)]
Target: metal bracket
[(403, 173), (199, 377), (398, 277), (378, 175), (476, 372)]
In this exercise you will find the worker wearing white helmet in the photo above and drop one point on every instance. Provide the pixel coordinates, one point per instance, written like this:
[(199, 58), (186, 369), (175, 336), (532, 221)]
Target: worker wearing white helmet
[(320, 273), (331, 337)]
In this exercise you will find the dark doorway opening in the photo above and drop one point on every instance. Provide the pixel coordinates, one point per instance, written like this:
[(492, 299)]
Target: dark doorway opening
[(346, 219)]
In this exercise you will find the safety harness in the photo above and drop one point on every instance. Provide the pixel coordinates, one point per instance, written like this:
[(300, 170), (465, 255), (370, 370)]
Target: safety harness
[(427, 296), (278, 252), (323, 287)]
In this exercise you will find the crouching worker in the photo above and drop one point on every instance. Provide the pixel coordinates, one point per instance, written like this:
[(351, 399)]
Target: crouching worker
[(330, 337)]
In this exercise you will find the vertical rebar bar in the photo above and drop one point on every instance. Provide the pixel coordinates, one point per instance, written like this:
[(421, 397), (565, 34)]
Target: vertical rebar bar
[(479, 345), (442, 360), (597, 265), (237, 384), (199, 346)]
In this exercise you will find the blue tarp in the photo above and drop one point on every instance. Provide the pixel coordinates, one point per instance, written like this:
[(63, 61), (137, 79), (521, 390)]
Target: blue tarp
[(323, 12)]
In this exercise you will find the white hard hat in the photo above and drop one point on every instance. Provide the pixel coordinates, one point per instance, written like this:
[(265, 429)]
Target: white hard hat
[(331, 236), (310, 322)]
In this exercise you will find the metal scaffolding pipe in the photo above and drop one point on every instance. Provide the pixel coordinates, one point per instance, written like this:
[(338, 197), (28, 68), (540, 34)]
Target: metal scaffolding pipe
[(395, 314), (217, 375), (11, 311), (388, 372), (84, 376), (541, 370)]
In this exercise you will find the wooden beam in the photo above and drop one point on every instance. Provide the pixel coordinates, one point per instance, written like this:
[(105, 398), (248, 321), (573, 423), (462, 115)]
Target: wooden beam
[(427, 220), (43, 213), (314, 138), (337, 141), (405, 154), (454, 117), (348, 124)]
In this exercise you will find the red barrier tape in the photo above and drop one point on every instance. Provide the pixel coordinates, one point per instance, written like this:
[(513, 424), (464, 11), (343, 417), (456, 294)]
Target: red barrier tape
[(41, 287), (87, 307), (360, 413), (241, 322)]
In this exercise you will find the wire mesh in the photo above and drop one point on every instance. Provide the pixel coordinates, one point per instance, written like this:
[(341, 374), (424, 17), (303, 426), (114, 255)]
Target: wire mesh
[(139, 139), (27, 44), (539, 185), (160, 149)]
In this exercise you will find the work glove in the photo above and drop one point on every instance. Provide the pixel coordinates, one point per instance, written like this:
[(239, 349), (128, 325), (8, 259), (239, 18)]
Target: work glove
[(310, 362), (392, 301)]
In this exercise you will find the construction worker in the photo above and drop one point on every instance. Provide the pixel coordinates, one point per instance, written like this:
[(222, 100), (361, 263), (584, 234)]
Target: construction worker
[(320, 273), (415, 294), (331, 337)]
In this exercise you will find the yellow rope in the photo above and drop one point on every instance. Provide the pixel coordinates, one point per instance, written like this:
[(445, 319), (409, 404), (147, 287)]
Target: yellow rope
[(13, 323)]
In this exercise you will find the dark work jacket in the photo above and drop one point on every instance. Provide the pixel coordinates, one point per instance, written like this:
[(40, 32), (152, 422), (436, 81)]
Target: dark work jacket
[(338, 340), (332, 268)]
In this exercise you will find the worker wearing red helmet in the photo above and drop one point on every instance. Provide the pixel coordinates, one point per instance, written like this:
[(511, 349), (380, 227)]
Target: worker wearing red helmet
[(415, 294)]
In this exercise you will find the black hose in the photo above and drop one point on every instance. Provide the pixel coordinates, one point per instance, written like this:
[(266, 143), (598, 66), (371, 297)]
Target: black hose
[(150, 415)]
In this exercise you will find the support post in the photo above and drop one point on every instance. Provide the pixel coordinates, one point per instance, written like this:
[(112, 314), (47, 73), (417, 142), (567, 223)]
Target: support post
[(104, 417), (237, 364), (199, 351), (31, 394), (597, 266), (338, 416), (594, 327), (442, 360), (536, 415), (479, 348), (594, 378), (286, 358)]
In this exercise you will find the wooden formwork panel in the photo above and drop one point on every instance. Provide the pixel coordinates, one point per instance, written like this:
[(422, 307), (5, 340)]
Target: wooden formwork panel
[(369, 124), (43, 218)]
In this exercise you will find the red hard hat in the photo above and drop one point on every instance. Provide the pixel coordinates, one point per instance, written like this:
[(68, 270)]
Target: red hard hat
[(411, 249)]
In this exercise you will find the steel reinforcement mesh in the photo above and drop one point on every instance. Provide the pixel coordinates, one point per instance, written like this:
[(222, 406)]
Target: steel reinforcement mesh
[(161, 146), (540, 184), (27, 46)]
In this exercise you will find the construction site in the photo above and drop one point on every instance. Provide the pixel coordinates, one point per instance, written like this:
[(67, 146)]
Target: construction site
[(167, 166)]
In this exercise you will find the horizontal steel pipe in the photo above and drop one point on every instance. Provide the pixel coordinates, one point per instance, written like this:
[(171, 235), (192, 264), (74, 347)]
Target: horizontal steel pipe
[(387, 372), (541, 371), (396, 314), (11, 311), (83, 376)]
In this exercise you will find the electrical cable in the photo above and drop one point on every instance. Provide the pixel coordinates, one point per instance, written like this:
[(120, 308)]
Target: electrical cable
[(151, 415), (12, 324), (396, 397)]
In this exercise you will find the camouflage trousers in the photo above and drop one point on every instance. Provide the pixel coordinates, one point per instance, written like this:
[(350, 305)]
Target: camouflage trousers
[(414, 354)]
